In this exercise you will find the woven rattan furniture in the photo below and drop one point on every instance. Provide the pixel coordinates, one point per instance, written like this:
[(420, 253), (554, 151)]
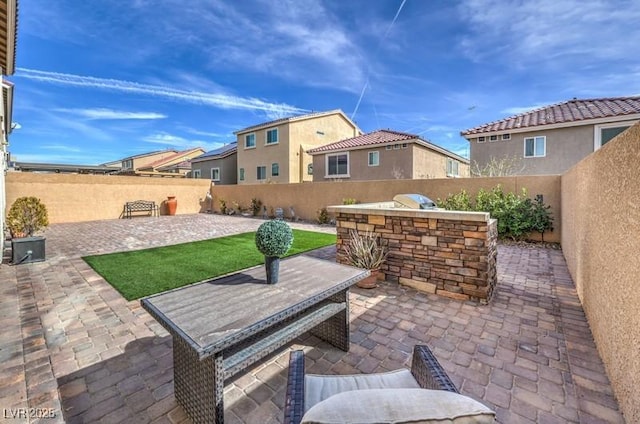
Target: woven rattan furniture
[(222, 326), (425, 369)]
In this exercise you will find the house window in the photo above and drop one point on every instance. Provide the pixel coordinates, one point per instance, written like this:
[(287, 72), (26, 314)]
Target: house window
[(338, 165), (493, 138), (605, 133), (452, 168), (396, 146), (275, 169), (506, 137), (215, 174), (374, 158), (481, 139), (196, 173), (249, 141), (272, 136), (261, 173), (241, 176), (388, 147), (404, 145), (127, 164), (310, 169), (535, 147)]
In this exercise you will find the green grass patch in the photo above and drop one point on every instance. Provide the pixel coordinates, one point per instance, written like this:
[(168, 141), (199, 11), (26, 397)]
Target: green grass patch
[(142, 273)]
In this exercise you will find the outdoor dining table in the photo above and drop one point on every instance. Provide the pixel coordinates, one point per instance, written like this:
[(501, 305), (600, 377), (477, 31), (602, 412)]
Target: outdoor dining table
[(222, 326)]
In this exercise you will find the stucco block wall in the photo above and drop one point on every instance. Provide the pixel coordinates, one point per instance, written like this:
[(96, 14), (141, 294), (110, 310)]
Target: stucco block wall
[(564, 148), (78, 198), (601, 243), (308, 198)]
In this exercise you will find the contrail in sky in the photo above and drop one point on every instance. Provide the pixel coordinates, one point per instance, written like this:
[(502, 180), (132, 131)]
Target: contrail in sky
[(223, 101), (366, 83)]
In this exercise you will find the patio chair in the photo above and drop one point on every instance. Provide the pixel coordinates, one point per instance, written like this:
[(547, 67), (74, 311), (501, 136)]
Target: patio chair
[(391, 397)]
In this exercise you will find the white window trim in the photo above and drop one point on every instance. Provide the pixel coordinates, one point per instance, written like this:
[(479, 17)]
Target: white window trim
[(377, 154), (326, 165), (597, 131), (215, 169), (241, 173), (278, 165), (492, 139), (254, 141), (196, 173), (544, 153), (266, 137), (506, 137), (484, 139), (451, 174)]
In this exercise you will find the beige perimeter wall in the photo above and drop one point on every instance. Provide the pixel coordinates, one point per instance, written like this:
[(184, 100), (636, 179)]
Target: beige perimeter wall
[(601, 242), (77, 198), (308, 198)]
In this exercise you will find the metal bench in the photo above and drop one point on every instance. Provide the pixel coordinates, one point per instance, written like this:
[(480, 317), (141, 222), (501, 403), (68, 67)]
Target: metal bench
[(147, 206)]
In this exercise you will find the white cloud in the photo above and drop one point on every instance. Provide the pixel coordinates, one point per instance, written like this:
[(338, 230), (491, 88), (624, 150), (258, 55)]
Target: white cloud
[(60, 147), (223, 101), (516, 110), (179, 142), (110, 114), (550, 32)]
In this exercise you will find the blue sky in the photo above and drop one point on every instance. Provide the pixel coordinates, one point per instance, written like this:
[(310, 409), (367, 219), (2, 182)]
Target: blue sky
[(101, 80)]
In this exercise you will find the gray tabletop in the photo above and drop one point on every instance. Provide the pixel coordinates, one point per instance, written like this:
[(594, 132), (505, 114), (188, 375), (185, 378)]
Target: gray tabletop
[(215, 314)]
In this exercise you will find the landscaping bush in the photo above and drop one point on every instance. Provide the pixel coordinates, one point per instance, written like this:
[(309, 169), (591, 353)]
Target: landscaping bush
[(26, 216), (518, 215), (274, 238)]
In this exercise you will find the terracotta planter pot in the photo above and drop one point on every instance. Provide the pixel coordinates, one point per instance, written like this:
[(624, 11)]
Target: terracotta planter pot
[(172, 205), (371, 282)]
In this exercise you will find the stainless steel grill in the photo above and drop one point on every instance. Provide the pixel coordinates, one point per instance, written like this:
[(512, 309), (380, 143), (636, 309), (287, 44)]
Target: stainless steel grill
[(413, 201)]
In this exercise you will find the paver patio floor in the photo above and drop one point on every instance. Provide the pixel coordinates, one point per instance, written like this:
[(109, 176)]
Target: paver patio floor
[(71, 343)]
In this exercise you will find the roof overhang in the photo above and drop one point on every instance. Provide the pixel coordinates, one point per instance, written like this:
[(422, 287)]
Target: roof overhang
[(277, 122), (7, 98), (8, 35), (534, 128)]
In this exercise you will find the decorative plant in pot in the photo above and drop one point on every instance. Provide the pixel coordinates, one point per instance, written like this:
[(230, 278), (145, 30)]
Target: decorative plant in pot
[(273, 240), (26, 216), (365, 251)]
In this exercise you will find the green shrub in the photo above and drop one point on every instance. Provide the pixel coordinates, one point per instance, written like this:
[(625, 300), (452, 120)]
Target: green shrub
[(26, 216), (517, 214), (274, 238), (323, 216), (349, 201), (223, 206)]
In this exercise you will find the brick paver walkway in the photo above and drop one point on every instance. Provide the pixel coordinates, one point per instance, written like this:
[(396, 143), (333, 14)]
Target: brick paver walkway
[(71, 343)]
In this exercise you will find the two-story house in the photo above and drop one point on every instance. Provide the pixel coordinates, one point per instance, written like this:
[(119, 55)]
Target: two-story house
[(276, 151), (384, 155), (219, 165), (552, 139)]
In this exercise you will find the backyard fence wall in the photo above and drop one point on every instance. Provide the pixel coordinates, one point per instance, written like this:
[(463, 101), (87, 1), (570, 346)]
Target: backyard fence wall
[(601, 243), (308, 198), (78, 198)]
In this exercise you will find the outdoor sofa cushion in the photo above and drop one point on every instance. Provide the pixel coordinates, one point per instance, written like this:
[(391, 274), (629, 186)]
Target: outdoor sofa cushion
[(396, 406)]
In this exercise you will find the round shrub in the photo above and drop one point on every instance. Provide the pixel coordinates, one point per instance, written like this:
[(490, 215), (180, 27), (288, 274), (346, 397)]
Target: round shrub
[(274, 238), (26, 216)]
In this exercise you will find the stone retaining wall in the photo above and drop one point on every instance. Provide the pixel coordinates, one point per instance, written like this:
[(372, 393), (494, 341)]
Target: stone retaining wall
[(451, 254)]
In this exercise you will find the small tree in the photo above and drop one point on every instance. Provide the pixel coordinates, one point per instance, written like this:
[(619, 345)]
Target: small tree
[(502, 167), (26, 216)]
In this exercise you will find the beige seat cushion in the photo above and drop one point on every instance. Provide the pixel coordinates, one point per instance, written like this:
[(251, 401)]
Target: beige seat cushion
[(396, 406), (321, 387)]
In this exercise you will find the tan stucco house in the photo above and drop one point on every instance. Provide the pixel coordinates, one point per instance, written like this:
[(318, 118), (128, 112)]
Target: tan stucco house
[(552, 139), (276, 151), (8, 35), (164, 163), (219, 165), (384, 155)]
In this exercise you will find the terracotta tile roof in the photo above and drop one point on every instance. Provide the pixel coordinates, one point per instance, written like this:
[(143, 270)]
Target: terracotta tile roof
[(160, 162), (568, 112), (382, 137), (369, 139), (295, 118)]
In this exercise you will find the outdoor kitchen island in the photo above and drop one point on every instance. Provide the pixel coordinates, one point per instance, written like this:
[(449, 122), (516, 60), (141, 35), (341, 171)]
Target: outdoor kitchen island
[(449, 253)]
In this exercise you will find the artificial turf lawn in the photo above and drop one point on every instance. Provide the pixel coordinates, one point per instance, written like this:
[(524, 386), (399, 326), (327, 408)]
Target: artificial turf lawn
[(140, 273)]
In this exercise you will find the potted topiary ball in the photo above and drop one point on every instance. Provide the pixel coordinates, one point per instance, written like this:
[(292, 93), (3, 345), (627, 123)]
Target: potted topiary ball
[(273, 240), (26, 216)]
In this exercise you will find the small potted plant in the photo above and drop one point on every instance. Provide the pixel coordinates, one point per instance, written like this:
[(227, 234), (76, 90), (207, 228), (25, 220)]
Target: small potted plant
[(364, 251), (273, 240), (26, 216)]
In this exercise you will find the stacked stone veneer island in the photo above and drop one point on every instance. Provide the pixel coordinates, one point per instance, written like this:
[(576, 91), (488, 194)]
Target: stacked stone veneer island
[(449, 253)]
